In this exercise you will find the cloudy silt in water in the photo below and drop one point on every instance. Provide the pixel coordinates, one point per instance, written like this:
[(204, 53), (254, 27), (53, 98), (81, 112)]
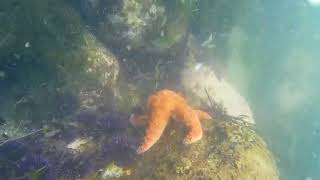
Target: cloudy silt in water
[(72, 73)]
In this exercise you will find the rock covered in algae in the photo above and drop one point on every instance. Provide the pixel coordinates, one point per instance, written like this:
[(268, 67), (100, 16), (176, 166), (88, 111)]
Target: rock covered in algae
[(113, 171), (150, 25), (132, 21), (228, 150), (47, 52)]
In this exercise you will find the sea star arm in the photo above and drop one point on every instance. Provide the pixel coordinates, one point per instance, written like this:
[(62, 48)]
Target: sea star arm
[(202, 114), (194, 129), (190, 119), (156, 125)]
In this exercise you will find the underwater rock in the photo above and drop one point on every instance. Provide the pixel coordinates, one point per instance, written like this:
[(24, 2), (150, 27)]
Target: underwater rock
[(18, 161), (123, 22), (113, 121), (68, 166), (201, 81), (85, 157), (228, 150), (89, 157), (101, 62), (107, 121), (73, 158), (92, 11), (132, 22), (112, 171), (2, 75), (10, 130), (135, 24), (63, 67), (96, 139), (120, 148), (34, 166), (204, 83), (81, 145), (6, 152), (2, 121), (87, 117), (65, 103), (176, 27)]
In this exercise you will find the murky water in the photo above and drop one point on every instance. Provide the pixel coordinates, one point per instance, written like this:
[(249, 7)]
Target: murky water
[(72, 73), (273, 59)]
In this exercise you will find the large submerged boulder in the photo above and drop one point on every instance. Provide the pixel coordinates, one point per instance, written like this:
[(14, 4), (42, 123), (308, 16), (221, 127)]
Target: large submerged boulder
[(125, 21), (228, 150), (51, 64), (201, 81), (146, 25), (205, 83)]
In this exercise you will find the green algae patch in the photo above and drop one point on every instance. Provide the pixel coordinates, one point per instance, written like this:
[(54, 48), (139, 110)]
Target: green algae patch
[(52, 34), (110, 172), (113, 171), (131, 23), (51, 64), (228, 150)]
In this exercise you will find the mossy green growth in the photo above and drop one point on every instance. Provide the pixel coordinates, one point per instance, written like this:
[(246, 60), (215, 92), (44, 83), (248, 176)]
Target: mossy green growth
[(52, 34), (228, 150), (132, 22), (173, 31), (113, 171), (46, 52), (34, 174), (110, 172), (176, 24)]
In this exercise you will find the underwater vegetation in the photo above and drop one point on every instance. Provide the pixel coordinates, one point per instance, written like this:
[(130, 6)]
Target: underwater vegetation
[(105, 137), (106, 121), (17, 161), (68, 166), (51, 157), (120, 148), (116, 141), (47, 61)]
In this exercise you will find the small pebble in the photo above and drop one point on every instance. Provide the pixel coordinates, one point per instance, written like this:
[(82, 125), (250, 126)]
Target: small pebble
[(5, 135), (162, 33), (2, 74), (27, 44)]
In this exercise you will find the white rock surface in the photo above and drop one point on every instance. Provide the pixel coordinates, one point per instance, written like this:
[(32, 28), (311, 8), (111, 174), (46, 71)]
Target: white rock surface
[(199, 78)]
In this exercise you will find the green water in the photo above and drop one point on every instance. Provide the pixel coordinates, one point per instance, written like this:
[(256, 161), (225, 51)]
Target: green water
[(274, 60), (269, 50), (271, 54)]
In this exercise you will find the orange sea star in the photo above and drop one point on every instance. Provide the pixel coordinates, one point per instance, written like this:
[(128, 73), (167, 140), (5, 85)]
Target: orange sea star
[(160, 107)]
